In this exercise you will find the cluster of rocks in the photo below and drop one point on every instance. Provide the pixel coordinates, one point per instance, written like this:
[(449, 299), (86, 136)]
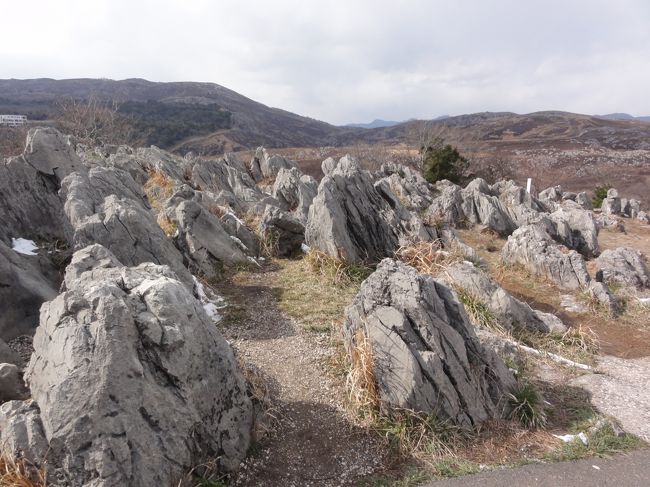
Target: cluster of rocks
[(130, 383)]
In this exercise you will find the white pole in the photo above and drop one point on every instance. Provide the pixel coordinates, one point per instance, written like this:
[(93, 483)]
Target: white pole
[(529, 184)]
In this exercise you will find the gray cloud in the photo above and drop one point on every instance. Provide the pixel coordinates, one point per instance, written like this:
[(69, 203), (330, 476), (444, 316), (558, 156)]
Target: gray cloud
[(344, 61)]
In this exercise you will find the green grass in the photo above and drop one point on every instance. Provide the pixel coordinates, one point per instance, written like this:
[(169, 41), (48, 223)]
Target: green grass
[(602, 443), (527, 406)]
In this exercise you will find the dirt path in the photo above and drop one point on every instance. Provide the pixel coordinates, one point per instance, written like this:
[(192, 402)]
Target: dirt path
[(312, 441)]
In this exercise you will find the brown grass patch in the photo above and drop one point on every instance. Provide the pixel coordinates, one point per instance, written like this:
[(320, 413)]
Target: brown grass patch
[(20, 473), (429, 257), (360, 381), (336, 270), (158, 189), (169, 226)]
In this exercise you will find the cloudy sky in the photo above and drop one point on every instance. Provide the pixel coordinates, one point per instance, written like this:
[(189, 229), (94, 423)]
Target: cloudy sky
[(351, 60)]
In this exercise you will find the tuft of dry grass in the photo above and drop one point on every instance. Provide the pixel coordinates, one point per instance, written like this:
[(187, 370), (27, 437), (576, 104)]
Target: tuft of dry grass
[(336, 270), (360, 381), (20, 473), (429, 257), (169, 226), (158, 188)]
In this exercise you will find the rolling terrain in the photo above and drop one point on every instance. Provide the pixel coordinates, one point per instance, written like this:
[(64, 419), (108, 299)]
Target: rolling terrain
[(574, 150)]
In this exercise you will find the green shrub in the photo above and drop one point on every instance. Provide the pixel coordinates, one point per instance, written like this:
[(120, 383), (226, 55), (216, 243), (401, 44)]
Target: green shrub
[(527, 406), (443, 161), (600, 193)]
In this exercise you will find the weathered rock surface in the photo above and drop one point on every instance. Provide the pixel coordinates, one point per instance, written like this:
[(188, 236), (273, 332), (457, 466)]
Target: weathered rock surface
[(7, 355), (601, 293), (123, 224), (612, 204), (584, 201), (133, 382), (295, 192), (532, 247), (510, 312), (283, 232), (264, 166), (624, 265), (576, 229), (447, 205), (23, 289), (349, 219), (413, 191), (426, 356), (12, 386), (552, 194), (481, 206)]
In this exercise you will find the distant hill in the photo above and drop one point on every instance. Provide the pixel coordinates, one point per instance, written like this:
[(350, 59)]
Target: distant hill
[(230, 121), (377, 123), (623, 116)]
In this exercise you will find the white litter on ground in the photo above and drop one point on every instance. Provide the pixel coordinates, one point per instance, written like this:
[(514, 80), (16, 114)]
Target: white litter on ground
[(305, 248), (211, 304), (644, 301), (24, 246), (571, 438)]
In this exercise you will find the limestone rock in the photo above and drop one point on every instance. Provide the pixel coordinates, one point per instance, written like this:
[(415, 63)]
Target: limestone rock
[(624, 265), (532, 247), (282, 231), (576, 229), (601, 293), (23, 289), (8, 356), (510, 312), (447, 205), (349, 219), (295, 192), (413, 191), (480, 206), (12, 386), (425, 354), (133, 382), (584, 201), (552, 194), (264, 166), (51, 153)]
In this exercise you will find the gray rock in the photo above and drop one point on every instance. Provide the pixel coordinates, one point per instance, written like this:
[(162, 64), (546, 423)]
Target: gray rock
[(159, 385), (601, 293), (447, 205), (425, 354), (23, 289), (552, 194), (643, 217), (634, 208), (612, 193), (584, 201), (480, 206), (264, 166), (408, 185), (510, 312), (576, 229), (568, 195), (283, 232), (21, 431), (8, 356), (123, 225), (51, 153), (532, 247), (12, 386), (204, 241), (295, 192), (612, 204), (328, 165), (349, 219), (624, 265), (625, 207)]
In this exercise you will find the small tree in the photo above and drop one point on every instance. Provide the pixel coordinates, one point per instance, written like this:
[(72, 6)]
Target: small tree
[(600, 193), (443, 161)]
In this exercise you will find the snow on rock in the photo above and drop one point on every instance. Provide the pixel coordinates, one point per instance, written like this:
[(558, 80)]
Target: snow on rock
[(24, 246), (212, 303)]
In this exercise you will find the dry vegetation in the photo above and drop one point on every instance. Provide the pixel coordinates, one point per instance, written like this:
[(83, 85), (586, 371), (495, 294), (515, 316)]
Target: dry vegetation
[(20, 473)]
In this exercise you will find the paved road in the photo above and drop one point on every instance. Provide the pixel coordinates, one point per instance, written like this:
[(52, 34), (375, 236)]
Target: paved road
[(630, 470)]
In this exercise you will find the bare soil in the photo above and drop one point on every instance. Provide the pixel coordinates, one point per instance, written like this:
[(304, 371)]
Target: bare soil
[(310, 439)]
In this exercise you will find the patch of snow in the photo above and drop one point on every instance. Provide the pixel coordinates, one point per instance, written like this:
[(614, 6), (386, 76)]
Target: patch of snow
[(571, 438), (211, 304), (24, 246), (238, 242), (305, 248)]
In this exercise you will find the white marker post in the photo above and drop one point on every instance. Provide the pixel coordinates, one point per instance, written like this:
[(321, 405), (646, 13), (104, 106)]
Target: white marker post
[(529, 184)]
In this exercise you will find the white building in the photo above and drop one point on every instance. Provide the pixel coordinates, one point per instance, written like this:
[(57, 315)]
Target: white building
[(12, 120)]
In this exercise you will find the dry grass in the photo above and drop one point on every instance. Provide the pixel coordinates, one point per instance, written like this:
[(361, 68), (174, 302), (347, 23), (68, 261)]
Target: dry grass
[(429, 257), (169, 226), (20, 473), (334, 270), (158, 189), (360, 381), (315, 303)]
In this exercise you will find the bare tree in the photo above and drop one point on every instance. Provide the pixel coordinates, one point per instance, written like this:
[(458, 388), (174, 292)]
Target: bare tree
[(94, 121), (12, 140)]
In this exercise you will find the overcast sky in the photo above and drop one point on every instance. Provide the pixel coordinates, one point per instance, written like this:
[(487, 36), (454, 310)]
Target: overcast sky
[(351, 60)]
